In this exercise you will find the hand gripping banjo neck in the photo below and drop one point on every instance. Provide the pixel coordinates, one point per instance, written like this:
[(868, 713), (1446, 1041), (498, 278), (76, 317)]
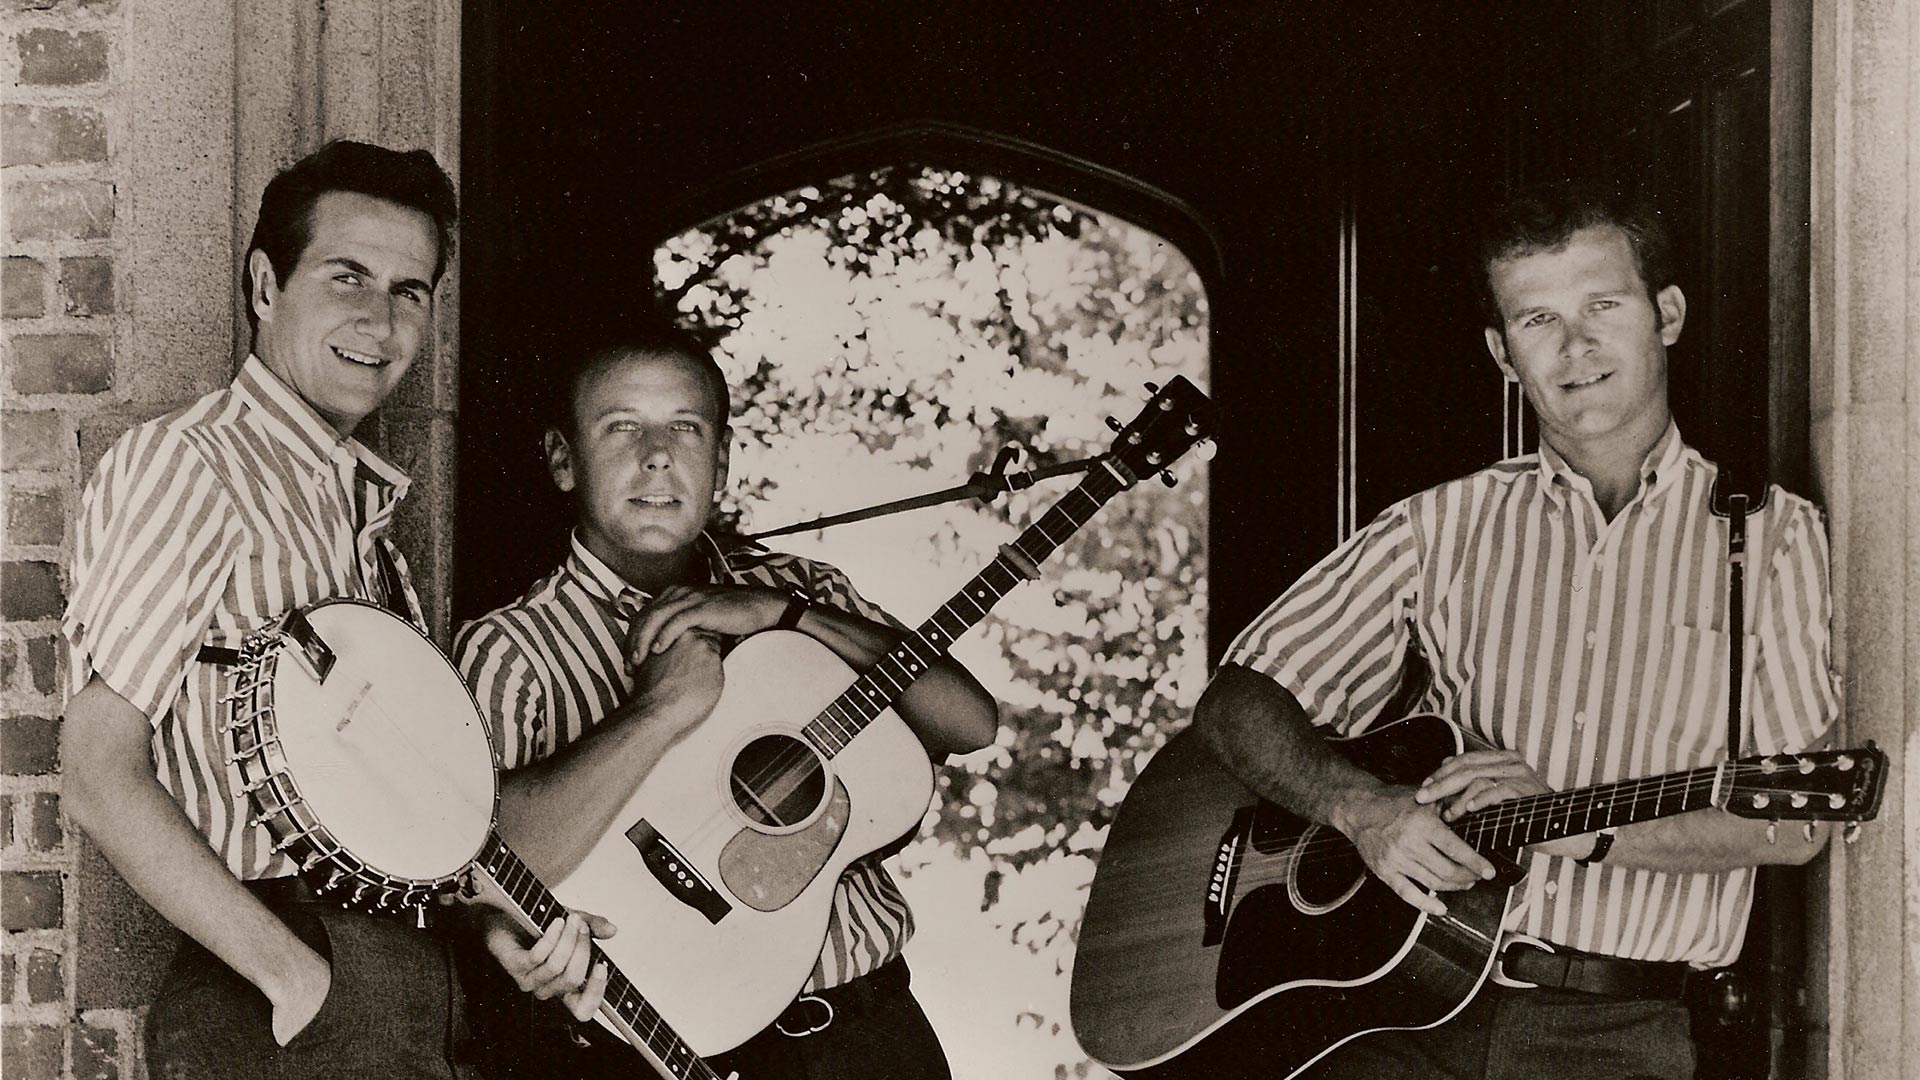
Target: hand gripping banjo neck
[(624, 1008)]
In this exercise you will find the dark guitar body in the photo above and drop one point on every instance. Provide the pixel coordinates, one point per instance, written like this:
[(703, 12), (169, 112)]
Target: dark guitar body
[(1212, 948)]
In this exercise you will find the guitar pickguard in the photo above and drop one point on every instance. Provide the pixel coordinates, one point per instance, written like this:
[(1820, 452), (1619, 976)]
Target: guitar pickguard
[(767, 871)]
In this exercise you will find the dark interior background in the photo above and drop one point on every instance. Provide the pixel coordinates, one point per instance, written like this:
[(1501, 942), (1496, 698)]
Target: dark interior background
[(593, 130)]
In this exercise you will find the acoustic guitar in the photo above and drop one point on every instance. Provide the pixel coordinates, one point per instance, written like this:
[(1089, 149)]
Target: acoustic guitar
[(1225, 934), (721, 867)]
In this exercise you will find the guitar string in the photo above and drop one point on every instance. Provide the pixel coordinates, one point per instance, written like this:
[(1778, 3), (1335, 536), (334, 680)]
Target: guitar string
[(1338, 843), (1320, 850), (790, 760)]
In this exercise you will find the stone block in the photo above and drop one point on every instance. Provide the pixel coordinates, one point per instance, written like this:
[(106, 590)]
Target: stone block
[(35, 517), (11, 654), (96, 1052), (39, 821), (62, 363), (51, 135), (6, 978), (56, 5), (74, 209), (23, 288), (51, 57), (29, 745), (86, 286), (46, 981), (35, 440), (124, 945), (6, 821), (32, 1052), (31, 900), (30, 589), (43, 664)]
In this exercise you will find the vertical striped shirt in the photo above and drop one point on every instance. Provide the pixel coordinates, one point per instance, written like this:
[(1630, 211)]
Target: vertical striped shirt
[(198, 528), (1596, 649), (548, 667)]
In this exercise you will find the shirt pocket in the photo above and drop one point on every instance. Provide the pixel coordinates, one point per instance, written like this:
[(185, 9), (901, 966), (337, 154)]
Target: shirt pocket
[(1687, 669), (270, 580)]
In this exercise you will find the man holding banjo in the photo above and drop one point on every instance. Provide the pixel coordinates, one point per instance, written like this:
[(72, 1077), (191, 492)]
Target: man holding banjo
[(199, 528)]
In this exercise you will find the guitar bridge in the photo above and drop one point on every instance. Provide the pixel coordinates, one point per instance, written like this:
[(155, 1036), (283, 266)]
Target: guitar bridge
[(1224, 876), (671, 869)]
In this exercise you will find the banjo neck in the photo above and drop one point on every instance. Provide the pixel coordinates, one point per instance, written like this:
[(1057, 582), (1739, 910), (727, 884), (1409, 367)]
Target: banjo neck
[(538, 906)]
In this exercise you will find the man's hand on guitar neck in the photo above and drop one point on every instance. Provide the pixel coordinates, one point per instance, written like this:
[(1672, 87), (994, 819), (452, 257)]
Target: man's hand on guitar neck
[(1479, 778)]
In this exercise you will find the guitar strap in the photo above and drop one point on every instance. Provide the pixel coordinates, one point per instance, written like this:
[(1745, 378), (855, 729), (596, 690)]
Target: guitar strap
[(1736, 613), (393, 597)]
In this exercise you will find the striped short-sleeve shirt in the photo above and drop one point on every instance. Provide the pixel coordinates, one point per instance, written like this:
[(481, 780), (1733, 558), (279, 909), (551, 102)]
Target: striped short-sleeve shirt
[(198, 528), (548, 667), (1597, 649)]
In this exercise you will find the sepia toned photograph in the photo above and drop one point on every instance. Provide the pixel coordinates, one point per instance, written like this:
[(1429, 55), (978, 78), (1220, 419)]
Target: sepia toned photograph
[(1289, 540)]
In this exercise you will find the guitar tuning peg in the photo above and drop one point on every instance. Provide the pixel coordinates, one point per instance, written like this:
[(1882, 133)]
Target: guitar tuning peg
[(1153, 388), (1205, 449), (1850, 833), (1806, 832), (1773, 830), (1112, 424), (1166, 477)]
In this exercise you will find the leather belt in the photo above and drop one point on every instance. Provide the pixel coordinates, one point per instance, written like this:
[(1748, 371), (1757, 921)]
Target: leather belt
[(1570, 969), (814, 1012)]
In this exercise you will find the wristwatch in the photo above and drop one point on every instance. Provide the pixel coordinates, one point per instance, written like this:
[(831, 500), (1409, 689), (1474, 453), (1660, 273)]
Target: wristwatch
[(797, 604), (1602, 843)]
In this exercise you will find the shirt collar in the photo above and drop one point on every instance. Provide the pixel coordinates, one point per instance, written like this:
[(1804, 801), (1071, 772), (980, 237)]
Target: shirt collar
[(605, 584), (1658, 470), (280, 411)]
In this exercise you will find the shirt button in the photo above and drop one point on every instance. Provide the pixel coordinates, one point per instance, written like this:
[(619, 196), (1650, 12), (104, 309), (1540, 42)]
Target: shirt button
[(1552, 888), (1591, 638), (1580, 719)]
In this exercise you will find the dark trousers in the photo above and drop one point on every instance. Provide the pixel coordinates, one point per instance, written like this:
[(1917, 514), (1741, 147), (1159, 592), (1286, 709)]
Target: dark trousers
[(1511, 1034), (394, 1009), (877, 1032)]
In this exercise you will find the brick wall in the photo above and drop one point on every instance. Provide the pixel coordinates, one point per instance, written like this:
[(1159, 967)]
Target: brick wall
[(135, 137), (60, 298)]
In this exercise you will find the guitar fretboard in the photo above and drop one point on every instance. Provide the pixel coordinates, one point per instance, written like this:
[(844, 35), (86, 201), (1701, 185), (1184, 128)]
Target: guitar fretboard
[(882, 684), (1509, 826), (541, 907)]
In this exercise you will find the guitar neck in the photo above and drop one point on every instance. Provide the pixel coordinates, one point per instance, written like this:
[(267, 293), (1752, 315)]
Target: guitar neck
[(539, 907), (1509, 826), (876, 690)]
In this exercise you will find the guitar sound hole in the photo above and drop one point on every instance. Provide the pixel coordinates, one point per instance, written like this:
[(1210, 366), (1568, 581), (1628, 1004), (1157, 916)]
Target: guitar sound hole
[(1328, 868), (777, 781)]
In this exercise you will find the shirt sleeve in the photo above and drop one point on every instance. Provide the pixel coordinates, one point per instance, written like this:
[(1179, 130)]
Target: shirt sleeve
[(500, 673), (828, 585), (1337, 639), (157, 539), (1794, 698)]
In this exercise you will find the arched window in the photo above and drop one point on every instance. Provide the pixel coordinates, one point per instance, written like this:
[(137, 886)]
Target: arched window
[(892, 312)]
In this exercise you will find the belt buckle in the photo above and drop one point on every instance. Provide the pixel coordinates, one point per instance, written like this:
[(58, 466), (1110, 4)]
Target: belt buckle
[(1500, 976), (805, 999)]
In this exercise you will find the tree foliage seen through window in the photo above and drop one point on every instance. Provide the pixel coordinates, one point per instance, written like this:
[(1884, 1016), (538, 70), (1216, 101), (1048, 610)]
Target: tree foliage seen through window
[(885, 334)]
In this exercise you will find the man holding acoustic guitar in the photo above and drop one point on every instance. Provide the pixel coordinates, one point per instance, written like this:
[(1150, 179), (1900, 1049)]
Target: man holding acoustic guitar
[(609, 661), (198, 529), (1572, 607)]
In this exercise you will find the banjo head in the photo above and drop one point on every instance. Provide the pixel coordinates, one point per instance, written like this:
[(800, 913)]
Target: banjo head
[(387, 754)]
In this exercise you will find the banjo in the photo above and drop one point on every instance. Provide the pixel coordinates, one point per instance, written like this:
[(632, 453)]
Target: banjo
[(364, 755)]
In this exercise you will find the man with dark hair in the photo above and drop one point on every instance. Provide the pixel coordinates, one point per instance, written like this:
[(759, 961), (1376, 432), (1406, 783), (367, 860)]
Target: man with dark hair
[(202, 526), (1571, 607), (591, 675)]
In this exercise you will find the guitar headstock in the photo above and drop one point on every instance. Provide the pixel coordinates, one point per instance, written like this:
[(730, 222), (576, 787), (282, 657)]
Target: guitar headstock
[(1177, 417), (1825, 785)]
